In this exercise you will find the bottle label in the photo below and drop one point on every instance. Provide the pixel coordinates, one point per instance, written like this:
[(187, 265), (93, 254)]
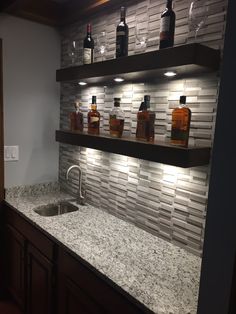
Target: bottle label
[(165, 24), (180, 127), (94, 119), (120, 33), (88, 55), (122, 43)]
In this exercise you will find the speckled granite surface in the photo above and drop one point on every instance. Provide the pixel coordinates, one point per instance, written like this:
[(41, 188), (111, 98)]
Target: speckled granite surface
[(160, 275)]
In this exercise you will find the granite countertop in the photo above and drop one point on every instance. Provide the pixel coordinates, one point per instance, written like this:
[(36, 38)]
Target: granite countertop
[(162, 276)]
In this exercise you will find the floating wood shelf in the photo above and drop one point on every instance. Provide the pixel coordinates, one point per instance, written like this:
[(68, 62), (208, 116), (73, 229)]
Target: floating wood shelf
[(185, 60), (153, 151)]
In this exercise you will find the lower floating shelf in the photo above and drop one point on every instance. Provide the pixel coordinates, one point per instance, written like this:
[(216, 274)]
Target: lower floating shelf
[(153, 151)]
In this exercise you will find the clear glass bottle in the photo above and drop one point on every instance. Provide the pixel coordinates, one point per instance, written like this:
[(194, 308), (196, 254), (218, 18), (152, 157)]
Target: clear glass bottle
[(77, 118), (145, 121), (181, 118), (116, 119), (93, 118)]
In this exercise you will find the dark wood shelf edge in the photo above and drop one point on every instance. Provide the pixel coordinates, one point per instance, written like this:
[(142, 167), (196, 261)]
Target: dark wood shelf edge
[(135, 67), (156, 152)]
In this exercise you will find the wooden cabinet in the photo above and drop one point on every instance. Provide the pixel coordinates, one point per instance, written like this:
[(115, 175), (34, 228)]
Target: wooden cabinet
[(29, 262), (15, 261), (40, 282), (72, 299)]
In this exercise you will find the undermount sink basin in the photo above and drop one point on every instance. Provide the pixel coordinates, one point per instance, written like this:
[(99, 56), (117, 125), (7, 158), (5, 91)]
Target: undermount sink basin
[(56, 209)]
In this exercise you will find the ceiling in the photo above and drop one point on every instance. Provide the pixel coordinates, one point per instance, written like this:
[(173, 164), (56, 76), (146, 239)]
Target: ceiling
[(54, 12)]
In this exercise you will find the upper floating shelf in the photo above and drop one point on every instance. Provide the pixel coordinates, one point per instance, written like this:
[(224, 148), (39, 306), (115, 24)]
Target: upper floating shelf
[(153, 151), (185, 60)]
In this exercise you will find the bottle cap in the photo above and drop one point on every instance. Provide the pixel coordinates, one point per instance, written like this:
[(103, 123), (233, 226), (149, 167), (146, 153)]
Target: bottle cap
[(117, 102), (89, 28), (147, 98), (94, 99), (77, 104), (182, 99), (123, 12)]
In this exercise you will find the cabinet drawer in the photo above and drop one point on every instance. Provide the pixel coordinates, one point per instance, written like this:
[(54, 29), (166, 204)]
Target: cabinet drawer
[(30, 232), (112, 299)]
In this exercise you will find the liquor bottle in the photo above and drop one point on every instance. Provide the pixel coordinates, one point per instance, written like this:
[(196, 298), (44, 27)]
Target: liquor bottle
[(116, 119), (145, 121), (167, 27), (77, 119), (122, 35), (181, 117), (88, 46), (93, 118)]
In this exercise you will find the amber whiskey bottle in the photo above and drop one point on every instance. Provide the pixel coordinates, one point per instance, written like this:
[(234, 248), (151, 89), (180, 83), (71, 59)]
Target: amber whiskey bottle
[(181, 118), (145, 121), (116, 119), (76, 118), (93, 118)]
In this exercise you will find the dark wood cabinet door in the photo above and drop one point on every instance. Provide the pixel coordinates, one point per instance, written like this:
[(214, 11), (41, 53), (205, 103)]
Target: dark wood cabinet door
[(15, 262), (73, 300), (39, 283)]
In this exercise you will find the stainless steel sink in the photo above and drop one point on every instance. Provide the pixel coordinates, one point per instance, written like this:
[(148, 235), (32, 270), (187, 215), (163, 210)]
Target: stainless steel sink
[(56, 209)]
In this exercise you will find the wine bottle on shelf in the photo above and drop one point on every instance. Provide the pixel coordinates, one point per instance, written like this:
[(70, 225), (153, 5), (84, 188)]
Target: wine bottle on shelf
[(181, 117), (167, 26), (145, 121), (88, 54), (116, 119), (76, 118), (122, 35), (93, 118)]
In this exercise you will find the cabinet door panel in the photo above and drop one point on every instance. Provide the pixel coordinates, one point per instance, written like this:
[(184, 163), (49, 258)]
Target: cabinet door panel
[(39, 280), (73, 300), (15, 261)]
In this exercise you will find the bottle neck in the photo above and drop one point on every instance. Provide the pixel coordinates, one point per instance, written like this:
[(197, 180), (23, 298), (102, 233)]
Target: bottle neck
[(182, 101), (122, 14), (147, 105), (89, 30), (147, 101), (169, 4), (181, 105), (94, 103)]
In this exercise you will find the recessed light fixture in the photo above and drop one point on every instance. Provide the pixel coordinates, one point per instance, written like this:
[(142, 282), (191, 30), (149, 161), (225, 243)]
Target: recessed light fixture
[(118, 79), (170, 73), (82, 83)]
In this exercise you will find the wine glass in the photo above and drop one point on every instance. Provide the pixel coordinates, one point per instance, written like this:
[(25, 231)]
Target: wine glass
[(73, 51), (141, 33), (198, 11), (101, 45)]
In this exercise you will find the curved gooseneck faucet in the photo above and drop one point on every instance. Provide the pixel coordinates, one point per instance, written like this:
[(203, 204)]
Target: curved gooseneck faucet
[(81, 198)]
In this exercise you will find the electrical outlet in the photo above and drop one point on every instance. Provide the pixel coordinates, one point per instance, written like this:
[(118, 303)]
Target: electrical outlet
[(11, 153)]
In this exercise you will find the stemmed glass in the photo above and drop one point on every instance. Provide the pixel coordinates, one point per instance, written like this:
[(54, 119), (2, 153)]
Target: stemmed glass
[(73, 51), (197, 15), (101, 44), (141, 33)]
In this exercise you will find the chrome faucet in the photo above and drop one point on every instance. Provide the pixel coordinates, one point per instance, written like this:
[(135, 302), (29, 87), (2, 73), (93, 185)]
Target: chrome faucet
[(80, 197)]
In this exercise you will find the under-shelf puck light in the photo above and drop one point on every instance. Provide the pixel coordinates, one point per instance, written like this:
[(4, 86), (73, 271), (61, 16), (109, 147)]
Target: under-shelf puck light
[(170, 73), (118, 79)]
